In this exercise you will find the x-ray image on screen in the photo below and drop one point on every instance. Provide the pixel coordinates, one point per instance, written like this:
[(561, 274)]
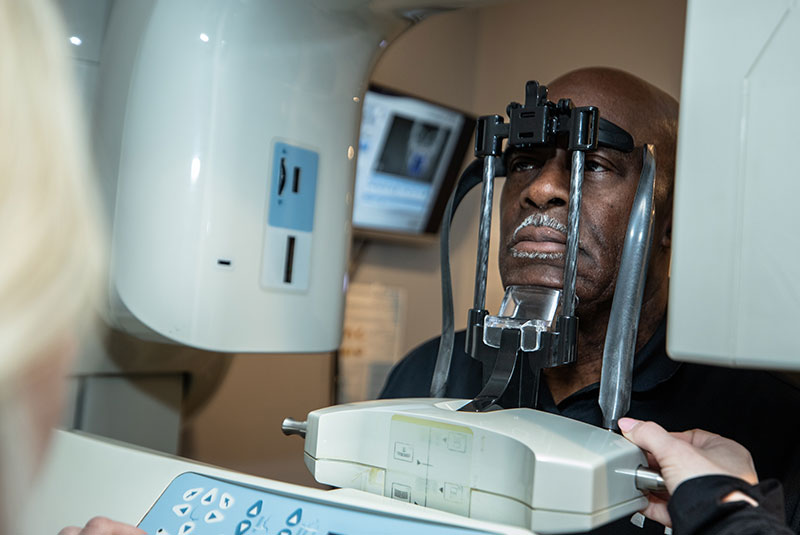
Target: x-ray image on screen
[(412, 149), (409, 154)]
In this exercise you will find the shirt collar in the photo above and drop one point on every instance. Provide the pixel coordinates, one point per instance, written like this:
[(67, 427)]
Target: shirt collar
[(651, 367)]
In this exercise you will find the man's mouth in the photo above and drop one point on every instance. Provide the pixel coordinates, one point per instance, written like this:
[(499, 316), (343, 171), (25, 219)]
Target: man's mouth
[(539, 237)]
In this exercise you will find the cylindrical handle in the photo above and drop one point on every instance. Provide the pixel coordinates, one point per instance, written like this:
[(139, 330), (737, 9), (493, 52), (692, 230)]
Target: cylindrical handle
[(647, 479), (294, 427)]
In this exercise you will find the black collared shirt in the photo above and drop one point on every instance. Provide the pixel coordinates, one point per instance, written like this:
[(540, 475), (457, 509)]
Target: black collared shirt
[(758, 409)]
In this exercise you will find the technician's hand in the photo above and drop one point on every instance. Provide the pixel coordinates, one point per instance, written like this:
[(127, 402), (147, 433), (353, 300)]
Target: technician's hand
[(682, 456), (102, 526)]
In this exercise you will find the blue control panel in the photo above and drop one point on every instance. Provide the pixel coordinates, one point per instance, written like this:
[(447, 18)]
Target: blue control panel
[(194, 504)]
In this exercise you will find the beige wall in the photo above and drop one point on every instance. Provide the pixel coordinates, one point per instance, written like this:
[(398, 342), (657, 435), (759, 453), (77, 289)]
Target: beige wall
[(240, 427)]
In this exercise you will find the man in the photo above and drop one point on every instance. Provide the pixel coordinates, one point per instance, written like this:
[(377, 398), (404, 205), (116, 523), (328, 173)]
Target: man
[(743, 405)]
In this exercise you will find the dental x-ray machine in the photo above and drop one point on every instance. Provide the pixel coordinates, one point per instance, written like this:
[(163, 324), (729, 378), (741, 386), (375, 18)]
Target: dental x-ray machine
[(432, 451), (502, 467), (459, 455)]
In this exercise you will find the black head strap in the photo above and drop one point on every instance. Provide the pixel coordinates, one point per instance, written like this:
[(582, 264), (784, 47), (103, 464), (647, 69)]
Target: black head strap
[(542, 122)]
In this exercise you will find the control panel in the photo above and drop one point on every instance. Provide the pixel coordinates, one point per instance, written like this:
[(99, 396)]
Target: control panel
[(194, 504)]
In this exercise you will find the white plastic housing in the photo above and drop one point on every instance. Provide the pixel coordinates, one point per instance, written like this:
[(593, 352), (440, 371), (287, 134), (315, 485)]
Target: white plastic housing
[(521, 467), (92, 469), (734, 290), (195, 100)]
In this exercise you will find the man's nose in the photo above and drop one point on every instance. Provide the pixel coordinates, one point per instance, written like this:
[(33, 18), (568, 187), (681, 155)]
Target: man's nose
[(550, 187)]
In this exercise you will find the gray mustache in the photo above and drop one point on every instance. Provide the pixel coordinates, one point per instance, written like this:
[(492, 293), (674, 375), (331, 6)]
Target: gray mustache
[(540, 220)]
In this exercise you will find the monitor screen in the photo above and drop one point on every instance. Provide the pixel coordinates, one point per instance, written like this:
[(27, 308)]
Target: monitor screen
[(409, 155)]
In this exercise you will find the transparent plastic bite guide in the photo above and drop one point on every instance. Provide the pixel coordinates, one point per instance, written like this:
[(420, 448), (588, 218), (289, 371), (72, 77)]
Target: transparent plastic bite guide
[(530, 309), (194, 504)]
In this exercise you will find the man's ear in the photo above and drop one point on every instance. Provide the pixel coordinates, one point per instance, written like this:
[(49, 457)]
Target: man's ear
[(666, 238)]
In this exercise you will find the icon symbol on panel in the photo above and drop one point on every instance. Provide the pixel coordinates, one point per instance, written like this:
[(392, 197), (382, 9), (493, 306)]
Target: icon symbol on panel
[(243, 527), (457, 442), (401, 492), (186, 528), (285, 532), (255, 509), (294, 518), (453, 492), (191, 494), (210, 496), (403, 452), (213, 517), (182, 509), (226, 501)]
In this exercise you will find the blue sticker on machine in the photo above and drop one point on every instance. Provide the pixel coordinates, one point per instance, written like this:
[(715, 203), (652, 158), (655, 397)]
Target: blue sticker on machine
[(293, 190)]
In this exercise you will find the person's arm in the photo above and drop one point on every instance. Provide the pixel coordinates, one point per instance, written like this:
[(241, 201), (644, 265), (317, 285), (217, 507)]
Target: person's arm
[(711, 483), (102, 526), (720, 505)]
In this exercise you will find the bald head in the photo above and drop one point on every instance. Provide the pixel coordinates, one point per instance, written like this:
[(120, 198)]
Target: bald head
[(537, 190), (649, 114)]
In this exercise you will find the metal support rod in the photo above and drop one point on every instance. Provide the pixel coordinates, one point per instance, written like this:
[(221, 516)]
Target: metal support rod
[(573, 222), (623, 323), (484, 231)]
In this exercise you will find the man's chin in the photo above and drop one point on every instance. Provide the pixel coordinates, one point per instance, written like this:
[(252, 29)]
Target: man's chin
[(521, 271), (546, 276)]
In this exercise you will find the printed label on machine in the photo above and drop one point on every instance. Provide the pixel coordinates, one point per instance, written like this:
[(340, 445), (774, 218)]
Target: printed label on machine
[(430, 464), (286, 257)]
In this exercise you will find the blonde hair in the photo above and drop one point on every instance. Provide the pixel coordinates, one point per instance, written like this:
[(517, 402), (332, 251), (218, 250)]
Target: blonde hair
[(51, 263)]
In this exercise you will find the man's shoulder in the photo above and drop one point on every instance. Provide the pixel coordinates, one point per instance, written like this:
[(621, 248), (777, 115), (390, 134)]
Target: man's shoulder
[(425, 353), (422, 359), (772, 388), (780, 386), (745, 405), (411, 377)]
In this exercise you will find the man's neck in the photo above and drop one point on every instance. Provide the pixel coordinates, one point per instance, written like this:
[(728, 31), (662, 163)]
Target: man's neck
[(566, 380)]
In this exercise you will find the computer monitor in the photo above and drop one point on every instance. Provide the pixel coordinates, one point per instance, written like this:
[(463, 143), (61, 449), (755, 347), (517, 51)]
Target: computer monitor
[(409, 155), (735, 280)]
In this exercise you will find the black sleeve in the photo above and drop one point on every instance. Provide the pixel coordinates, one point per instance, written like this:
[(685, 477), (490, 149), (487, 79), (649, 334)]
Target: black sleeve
[(695, 508)]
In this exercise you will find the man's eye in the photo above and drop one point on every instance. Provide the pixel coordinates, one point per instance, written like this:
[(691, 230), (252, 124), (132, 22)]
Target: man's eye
[(520, 166), (594, 167)]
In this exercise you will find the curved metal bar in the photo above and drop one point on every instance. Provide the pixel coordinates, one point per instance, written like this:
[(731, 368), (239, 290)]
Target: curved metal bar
[(441, 370), (471, 177), (623, 324), (484, 231)]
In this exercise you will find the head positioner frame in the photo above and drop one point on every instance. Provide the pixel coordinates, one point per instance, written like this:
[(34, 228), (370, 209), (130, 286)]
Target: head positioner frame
[(537, 123)]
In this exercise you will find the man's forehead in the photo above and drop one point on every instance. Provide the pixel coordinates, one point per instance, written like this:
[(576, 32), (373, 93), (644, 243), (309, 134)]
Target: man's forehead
[(618, 99), (614, 109)]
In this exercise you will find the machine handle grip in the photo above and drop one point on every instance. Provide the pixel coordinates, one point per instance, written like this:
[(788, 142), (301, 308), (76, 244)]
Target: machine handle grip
[(294, 427), (647, 479)]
